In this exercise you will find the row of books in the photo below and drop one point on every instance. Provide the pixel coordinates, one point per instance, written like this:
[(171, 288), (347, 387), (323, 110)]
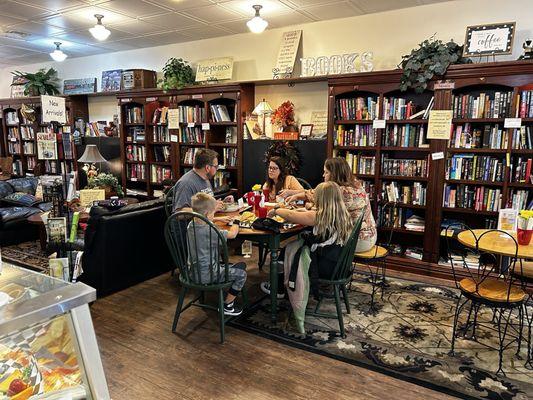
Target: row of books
[(161, 153), (478, 198), (220, 113), (523, 138), (17, 168), (134, 115), (229, 155), (364, 165), (357, 108), (136, 134), (13, 133), (159, 173), (520, 170), (31, 162), (29, 148), (485, 105), (160, 115), (414, 193), (370, 188), (520, 199), (396, 217), (473, 167), (95, 129), (55, 167), (12, 118), (188, 157), (13, 148), (359, 135), (404, 136), (161, 134), (27, 132), (65, 146), (188, 114), (404, 167), (136, 172), (192, 135), (398, 108), (525, 104), (231, 134), (474, 137), (221, 178), (135, 152)]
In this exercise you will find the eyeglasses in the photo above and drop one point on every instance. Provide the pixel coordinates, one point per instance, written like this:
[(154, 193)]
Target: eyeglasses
[(272, 168), (214, 166)]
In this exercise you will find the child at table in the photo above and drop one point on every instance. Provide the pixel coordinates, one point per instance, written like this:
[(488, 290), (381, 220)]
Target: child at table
[(207, 251)]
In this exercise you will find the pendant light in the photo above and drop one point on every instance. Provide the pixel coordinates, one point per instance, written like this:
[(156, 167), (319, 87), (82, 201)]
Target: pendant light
[(257, 24), (57, 54), (99, 31)]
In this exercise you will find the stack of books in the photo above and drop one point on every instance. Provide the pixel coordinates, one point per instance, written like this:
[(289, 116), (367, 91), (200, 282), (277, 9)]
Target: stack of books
[(415, 223)]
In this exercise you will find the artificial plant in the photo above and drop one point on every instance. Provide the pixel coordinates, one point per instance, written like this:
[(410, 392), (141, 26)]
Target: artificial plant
[(109, 182), (177, 73), (283, 115), (290, 154), (433, 57), (40, 82)]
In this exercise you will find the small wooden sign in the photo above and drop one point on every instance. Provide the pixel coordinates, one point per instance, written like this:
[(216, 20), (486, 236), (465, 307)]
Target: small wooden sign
[(287, 52), (489, 39), (128, 100), (214, 69), (319, 119), (443, 85), (197, 96)]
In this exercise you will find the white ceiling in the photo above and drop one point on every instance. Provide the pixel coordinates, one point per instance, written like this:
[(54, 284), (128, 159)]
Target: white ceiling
[(147, 23)]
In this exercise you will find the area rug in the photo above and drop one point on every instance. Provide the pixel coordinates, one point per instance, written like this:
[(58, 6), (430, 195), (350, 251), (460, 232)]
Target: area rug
[(408, 336), (28, 255)]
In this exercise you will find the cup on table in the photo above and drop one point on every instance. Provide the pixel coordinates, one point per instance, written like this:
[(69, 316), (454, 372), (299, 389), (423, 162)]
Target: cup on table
[(524, 236), (249, 198), (266, 193), (262, 212)]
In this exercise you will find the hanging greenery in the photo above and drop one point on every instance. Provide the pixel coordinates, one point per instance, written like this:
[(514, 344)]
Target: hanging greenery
[(287, 152), (177, 73), (41, 82), (433, 57)]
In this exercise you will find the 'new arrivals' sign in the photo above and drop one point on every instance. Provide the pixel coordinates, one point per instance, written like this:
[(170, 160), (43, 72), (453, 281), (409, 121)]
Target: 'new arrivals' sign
[(53, 109)]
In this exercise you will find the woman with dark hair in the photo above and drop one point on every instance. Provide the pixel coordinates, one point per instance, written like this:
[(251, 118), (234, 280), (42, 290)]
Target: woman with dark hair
[(278, 179), (354, 195)]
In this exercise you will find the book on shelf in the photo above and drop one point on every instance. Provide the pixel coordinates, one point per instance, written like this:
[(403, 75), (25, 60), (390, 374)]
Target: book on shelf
[(415, 223), (161, 133), (193, 134), (404, 167), (27, 133), (161, 153), (159, 173), (465, 260), (395, 217), (520, 169), (191, 114), (358, 108), (358, 135), (13, 148), (221, 178), (136, 172), (477, 198), (65, 146), (51, 166), (414, 193), (473, 167), (220, 113), (399, 108), (360, 164), (29, 148), (231, 134), (13, 134), (160, 115), (523, 138), (520, 199), (484, 105), (134, 115), (525, 104), (18, 168), (135, 153), (229, 155), (404, 136), (188, 157), (136, 134), (12, 118), (31, 162), (467, 136), (95, 129)]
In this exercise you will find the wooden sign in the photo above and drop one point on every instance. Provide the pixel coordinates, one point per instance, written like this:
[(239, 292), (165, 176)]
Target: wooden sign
[(214, 69), (79, 86), (46, 146), (319, 119), (287, 53), (53, 109), (490, 39), (173, 118), (440, 124)]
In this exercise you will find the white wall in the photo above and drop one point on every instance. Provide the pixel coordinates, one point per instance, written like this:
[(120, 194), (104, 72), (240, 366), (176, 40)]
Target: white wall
[(389, 35)]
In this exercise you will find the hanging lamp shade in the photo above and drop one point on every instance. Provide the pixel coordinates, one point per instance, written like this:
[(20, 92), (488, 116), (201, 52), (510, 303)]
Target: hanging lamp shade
[(91, 155)]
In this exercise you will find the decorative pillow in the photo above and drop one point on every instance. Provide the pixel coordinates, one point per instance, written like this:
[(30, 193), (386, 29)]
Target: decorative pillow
[(20, 199), (24, 185), (5, 189)]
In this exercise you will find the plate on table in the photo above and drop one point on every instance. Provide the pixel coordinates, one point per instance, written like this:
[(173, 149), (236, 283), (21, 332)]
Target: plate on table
[(230, 207)]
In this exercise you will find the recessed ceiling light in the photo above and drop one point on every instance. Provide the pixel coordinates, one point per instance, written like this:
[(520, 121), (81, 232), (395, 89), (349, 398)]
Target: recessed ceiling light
[(99, 31), (57, 54), (257, 24)]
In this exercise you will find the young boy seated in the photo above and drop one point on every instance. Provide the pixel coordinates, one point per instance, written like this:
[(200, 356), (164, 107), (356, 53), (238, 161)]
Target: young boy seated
[(207, 252)]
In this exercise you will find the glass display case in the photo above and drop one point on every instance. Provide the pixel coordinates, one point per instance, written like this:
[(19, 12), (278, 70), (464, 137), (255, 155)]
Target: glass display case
[(48, 348)]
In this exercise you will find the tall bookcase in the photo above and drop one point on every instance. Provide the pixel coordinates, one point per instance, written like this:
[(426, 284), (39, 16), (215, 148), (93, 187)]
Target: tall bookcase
[(19, 136), (484, 165)]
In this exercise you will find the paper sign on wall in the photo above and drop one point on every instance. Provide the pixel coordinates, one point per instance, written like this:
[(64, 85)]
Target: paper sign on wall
[(440, 124), (287, 52), (173, 117), (319, 119), (54, 109)]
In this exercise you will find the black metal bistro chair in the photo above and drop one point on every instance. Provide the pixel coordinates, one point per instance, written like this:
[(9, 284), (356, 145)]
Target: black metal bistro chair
[(306, 185), (523, 272), (481, 283), (339, 279), (184, 249)]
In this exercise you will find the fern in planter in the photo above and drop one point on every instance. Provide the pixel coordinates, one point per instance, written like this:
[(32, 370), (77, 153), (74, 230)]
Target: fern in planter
[(41, 82), (177, 73), (433, 57)]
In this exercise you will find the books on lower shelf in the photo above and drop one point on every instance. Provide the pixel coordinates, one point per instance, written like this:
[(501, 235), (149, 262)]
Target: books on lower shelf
[(469, 260), (478, 198), (136, 134), (221, 178), (136, 172), (525, 104), (161, 153), (523, 138), (51, 166), (358, 108), (520, 169), (29, 148), (415, 223), (404, 167), (188, 157), (160, 115), (369, 187), (229, 155), (159, 173), (134, 115), (135, 152), (396, 217), (520, 199), (473, 167), (414, 252), (231, 134), (194, 114), (405, 136), (356, 135), (484, 105), (13, 134), (13, 148), (31, 162), (414, 193), (398, 108), (95, 129), (161, 133), (467, 136), (364, 165), (192, 134), (27, 132), (220, 113), (17, 168)]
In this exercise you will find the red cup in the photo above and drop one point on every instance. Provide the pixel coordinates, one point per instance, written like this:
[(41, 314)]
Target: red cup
[(262, 212), (250, 198), (266, 192), (524, 236)]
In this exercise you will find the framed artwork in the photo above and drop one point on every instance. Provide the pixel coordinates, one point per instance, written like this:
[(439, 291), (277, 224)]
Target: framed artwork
[(306, 130), (79, 86), (489, 39), (111, 80)]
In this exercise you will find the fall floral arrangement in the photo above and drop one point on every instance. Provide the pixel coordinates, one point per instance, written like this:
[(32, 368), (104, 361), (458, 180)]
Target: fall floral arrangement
[(284, 114)]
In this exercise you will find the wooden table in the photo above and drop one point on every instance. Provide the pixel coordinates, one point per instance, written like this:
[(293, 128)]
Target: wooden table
[(272, 240), (495, 242)]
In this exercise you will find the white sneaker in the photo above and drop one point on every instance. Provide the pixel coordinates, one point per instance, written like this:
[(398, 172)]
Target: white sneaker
[(265, 287)]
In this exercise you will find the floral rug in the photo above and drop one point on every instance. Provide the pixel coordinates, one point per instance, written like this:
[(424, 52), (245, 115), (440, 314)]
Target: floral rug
[(28, 255), (407, 335)]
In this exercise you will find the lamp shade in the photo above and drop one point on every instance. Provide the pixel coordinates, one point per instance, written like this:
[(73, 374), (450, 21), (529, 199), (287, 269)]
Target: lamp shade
[(262, 108), (91, 155)]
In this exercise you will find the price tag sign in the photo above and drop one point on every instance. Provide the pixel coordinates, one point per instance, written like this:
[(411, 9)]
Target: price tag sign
[(205, 126), (174, 138), (149, 99), (126, 100), (190, 125), (512, 123), (13, 139), (437, 156), (133, 179), (379, 124), (197, 96)]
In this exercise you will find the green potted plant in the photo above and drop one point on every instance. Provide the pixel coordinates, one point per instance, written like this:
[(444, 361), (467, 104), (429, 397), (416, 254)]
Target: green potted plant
[(40, 82), (177, 73), (433, 57), (108, 182)]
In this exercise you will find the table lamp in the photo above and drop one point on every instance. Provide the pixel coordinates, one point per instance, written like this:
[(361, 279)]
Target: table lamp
[(91, 155), (262, 110)]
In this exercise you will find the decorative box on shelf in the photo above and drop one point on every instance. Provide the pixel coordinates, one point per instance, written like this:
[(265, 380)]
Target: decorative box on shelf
[(286, 135), (138, 79)]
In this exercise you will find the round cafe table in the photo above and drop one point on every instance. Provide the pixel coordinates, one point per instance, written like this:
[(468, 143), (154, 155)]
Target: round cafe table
[(495, 242)]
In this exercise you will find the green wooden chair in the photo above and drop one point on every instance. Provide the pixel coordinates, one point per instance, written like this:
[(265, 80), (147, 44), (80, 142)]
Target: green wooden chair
[(180, 245), (340, 278)]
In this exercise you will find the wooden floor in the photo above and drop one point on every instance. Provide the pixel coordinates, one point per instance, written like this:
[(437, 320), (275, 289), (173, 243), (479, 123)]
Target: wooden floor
[(144, 360)]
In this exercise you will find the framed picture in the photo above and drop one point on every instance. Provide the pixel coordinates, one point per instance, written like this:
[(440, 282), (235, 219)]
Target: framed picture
[(79, 86), (490, 39), (306, 130), (111, 80)]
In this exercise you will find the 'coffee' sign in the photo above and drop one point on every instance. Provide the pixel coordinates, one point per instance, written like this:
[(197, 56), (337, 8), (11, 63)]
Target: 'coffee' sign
[(337, 64), (53, 109)]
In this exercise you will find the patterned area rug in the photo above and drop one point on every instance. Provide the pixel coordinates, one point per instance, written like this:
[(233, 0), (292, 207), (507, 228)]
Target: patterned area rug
[(28, 255), (407, 335)]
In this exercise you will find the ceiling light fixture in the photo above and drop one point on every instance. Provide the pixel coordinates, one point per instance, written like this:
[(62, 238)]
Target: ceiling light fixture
[(99, 31), (257, 24), (57, 54)]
